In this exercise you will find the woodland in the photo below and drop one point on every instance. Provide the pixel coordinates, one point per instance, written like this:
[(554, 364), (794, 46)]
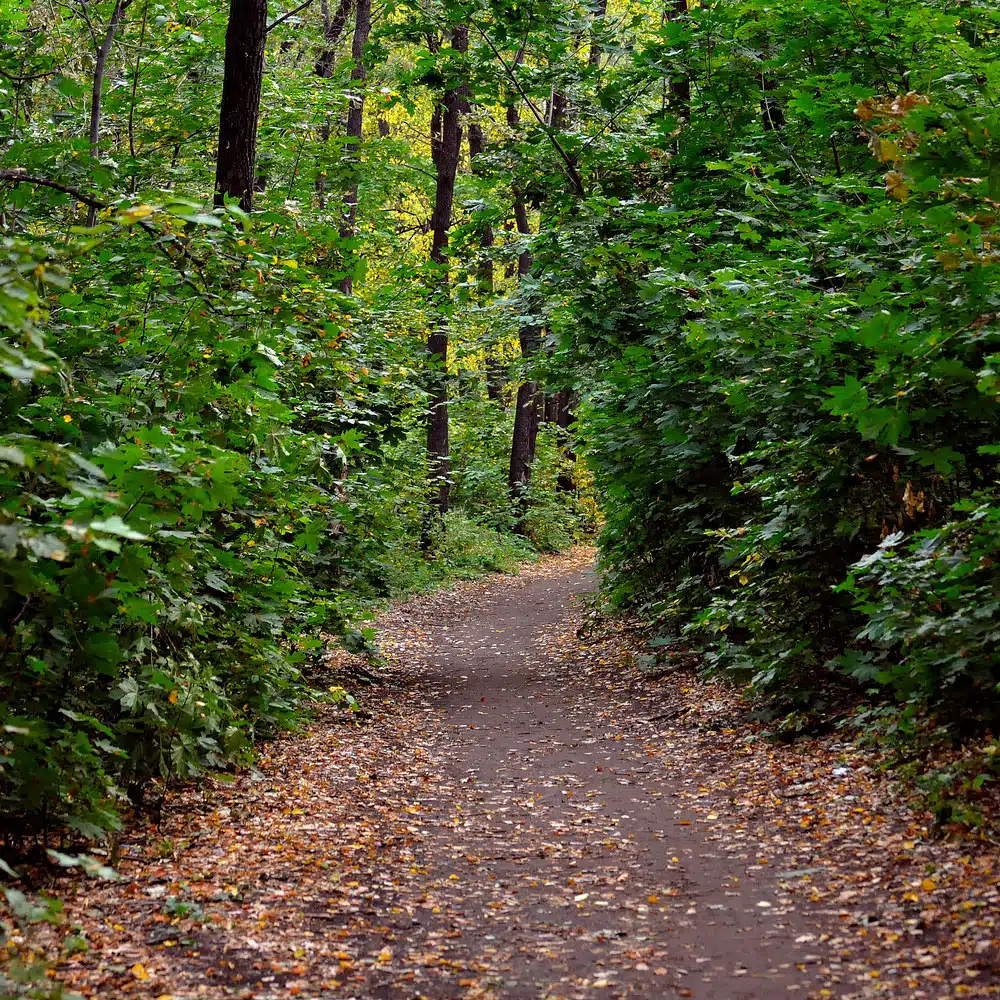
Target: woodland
[(305, 307)]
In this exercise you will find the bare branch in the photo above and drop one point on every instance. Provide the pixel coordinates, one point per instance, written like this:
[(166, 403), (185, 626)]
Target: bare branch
[(285, 17), (571, 171), (18, 175), (28, 76)]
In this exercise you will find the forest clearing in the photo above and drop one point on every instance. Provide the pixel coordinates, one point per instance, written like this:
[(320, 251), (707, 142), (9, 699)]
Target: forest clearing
[(499, 499)]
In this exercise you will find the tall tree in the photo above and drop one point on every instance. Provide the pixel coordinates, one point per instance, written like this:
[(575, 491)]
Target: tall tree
[(680, 86), (446, 147), (526, 415), (495, 369), (333, 27), (355, 121), (102, 49), (242, 78), (600, 12)]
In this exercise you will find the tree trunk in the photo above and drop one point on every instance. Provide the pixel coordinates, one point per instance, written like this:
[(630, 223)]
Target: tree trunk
[(100, 62), (680, 87), (495, 369), (446, 148), (564, 420), (525, 436), (355, 120), (772, 117), (333, 28), (600, 12), (242, 77), (477, 146)]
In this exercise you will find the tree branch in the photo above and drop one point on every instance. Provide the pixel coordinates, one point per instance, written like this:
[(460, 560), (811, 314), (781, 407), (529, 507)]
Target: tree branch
[(285, 17), (18, 175), (571, 170), (28, 76)]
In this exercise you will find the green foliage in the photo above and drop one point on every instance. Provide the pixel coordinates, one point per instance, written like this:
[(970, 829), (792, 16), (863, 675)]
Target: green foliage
[(782, 298), (210, 457), (932, 603), (24, 974)]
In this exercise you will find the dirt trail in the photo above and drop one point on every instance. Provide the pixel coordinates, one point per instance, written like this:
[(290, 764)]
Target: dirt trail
[(584, 877), (509, 824)]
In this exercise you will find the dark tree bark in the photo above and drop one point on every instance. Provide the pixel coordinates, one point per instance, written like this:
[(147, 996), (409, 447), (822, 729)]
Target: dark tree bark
[(447, 147), (355, 120), (477, 146), (495, 369), (680, 87), (246, 36), (333, 28), (526, 415), (772, 117), (565, 418)]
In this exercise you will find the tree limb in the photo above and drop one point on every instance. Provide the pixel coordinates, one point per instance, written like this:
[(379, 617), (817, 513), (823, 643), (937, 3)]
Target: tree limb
[(571, 171), (285, 17), (18, 175), (28, 76)]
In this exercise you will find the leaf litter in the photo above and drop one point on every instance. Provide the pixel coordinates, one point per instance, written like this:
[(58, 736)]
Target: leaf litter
[(527, 815)]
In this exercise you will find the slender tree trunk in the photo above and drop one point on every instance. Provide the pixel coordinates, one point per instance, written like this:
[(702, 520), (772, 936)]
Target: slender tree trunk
[(242, 78), (446, 149), (355, 121), (100, 63), (565, 418), (772, 117), (333, 28), (477, 146), (135, 88), (526, 415), (600, 12), (495, 370), (680, 87)]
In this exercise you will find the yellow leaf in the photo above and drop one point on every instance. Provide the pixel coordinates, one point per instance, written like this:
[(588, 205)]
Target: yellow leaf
[(895, 186), (928, 885), (139, 971)]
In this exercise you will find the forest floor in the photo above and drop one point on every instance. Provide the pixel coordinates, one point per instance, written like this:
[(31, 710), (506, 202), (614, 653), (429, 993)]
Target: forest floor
[(523, 815)]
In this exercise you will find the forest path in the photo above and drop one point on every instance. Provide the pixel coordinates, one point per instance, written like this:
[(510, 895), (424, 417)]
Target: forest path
[(509, 824)]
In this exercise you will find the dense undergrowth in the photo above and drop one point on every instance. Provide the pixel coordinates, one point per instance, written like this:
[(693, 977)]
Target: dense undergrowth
[(794, 417), (207, 477)]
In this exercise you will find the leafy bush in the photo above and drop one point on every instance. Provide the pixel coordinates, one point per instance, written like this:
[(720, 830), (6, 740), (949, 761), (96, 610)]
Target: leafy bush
[(205, 472), (785, 317), (932, 603)]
